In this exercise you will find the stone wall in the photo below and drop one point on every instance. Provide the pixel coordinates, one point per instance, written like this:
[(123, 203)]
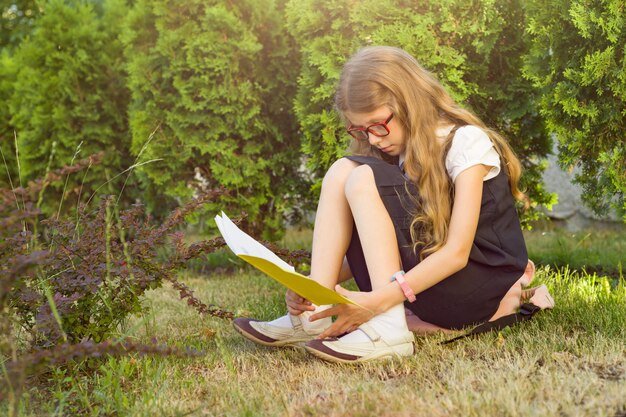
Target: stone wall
[(570, 210)]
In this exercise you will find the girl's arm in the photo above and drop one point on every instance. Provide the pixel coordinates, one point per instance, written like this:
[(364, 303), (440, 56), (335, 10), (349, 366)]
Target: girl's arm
[(453, 256)]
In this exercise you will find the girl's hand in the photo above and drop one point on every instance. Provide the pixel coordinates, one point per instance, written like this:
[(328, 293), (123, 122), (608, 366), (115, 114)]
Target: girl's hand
[(297, 305), (349, 316)]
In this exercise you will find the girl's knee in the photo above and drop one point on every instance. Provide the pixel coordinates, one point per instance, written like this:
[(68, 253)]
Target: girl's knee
[(338, 173), (342, 165), (360, 182)]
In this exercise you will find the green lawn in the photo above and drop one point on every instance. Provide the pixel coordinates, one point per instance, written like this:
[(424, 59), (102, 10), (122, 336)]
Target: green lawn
[(594, 250), (568, 362)]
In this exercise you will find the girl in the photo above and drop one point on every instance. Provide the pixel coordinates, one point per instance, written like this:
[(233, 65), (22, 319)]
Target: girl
[(429, 190)]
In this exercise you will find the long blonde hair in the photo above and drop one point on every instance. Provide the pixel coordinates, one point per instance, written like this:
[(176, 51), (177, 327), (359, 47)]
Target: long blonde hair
[(379, 76)]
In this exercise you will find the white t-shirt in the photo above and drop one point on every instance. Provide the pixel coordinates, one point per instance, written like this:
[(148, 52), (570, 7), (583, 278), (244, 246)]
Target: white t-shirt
[(470, 146)]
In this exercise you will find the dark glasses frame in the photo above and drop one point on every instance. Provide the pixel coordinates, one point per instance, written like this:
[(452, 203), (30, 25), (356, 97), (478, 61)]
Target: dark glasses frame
[(355, 132)]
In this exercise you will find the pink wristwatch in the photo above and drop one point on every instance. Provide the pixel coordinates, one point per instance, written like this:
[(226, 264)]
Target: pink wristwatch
[(408, 292)]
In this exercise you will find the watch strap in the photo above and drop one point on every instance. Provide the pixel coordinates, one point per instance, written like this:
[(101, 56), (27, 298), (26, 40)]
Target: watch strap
[(404, 286)]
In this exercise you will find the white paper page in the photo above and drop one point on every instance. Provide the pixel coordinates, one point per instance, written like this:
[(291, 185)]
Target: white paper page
[(228, 237), (243, 244)]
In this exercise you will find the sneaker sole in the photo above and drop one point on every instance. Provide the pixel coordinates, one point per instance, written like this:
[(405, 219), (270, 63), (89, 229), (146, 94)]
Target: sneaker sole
[(298, 343), (398, 351)]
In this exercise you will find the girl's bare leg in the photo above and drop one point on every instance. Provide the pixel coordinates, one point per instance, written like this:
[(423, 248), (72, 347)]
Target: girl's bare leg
[(333, 225), (376, 231), (382, 257), (331, 238)]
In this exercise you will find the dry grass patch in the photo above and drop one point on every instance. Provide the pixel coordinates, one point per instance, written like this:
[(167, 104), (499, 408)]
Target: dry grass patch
[(555, 365), (569, 362)]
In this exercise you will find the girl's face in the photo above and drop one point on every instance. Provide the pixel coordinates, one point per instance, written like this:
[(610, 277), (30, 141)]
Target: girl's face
[(391, 144)]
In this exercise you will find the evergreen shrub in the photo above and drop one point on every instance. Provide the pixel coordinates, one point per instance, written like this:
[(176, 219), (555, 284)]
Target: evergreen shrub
[(68, 96), (215, 81), (578, 60), (474, 48)]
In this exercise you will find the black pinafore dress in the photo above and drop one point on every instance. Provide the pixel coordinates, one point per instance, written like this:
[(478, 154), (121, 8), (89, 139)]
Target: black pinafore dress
[(497, 259)]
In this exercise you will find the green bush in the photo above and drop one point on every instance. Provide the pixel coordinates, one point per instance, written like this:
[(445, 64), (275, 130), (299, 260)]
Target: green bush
[(216, 84), (88, 273), (475, 49), (214, 81), (68, 93), (8, 165), (577, 59), (16, 20)]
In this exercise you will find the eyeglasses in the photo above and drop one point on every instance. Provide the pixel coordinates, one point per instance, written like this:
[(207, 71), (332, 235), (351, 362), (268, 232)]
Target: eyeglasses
[(377, 129)]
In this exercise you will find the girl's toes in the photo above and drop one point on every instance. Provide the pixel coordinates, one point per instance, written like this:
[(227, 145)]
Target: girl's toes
[(542, 298)]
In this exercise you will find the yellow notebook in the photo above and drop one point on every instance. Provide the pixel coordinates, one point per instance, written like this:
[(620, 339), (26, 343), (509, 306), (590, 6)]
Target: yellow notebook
[(257, 255)]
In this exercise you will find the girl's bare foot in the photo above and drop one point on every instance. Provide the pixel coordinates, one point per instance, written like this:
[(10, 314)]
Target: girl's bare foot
[(538, 296), (514, 298)]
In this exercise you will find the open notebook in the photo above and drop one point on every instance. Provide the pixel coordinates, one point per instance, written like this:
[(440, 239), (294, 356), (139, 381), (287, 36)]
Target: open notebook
[(257, 255)]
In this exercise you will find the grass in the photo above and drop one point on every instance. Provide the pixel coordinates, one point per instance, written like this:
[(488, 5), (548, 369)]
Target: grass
[(594, 250), (568, 362)]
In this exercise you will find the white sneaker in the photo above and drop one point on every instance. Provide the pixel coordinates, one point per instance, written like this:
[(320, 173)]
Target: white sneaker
[(336, 350), (269, 334)]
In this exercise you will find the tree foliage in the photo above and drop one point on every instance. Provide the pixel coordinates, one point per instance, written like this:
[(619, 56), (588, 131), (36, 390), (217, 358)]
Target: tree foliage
[(474, 48), (239, 93), (8, 163), (578, 59), (68, 96), (16, 20), (16, 23), (215, 81)]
